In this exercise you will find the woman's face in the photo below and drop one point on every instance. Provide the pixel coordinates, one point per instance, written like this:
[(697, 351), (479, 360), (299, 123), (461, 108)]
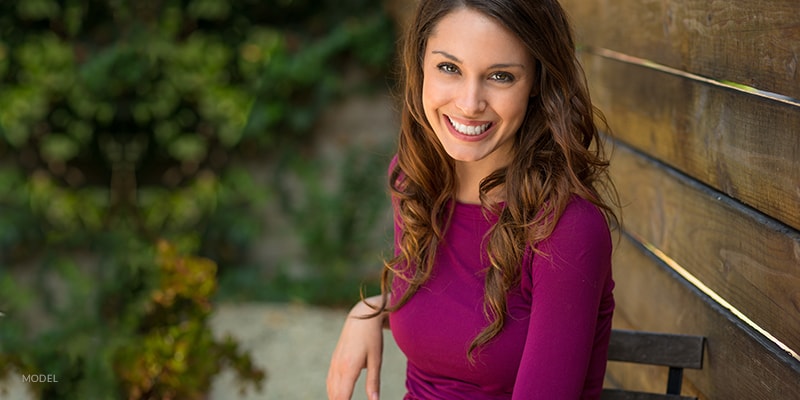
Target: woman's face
[(477, 79)]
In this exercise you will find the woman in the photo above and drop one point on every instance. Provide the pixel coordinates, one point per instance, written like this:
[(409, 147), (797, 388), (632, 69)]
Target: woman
[(501, 285)]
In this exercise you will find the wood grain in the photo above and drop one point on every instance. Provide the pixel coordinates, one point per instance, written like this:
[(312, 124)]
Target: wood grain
[(745, 146), (738, 363), (657, 348), (750, 261), (755, 43), (616, 394)]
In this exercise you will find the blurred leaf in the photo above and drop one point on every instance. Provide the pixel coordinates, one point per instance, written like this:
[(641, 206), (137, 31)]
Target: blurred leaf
[(46, 61), (37, 9), (80, 130), (261, 48), (3, 59), (19, 107), (74, 14), (171, 20), (59, 147), (209, 9), (165, 131), (188, 147)]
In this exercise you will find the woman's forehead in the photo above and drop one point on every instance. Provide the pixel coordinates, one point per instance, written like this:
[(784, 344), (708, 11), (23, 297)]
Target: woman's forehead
[(469, 35)]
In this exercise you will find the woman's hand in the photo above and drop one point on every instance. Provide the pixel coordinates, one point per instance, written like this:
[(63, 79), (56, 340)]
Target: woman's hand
[(360, 346)]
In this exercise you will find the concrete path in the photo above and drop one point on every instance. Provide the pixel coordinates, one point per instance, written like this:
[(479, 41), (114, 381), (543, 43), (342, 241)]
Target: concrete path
[(294, 344)]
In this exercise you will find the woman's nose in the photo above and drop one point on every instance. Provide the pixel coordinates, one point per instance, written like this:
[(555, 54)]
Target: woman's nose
[(471, 99)]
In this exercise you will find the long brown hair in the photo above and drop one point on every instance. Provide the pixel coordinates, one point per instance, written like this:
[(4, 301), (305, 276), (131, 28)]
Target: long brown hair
[(557, 154)]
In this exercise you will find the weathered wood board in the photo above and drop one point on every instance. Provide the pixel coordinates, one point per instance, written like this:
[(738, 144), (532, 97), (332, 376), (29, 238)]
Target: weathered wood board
[(754, 43)]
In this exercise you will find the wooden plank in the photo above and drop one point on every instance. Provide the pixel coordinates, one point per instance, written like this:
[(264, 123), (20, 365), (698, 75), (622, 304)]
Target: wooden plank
[(755, 43), (684, 351), (749, 260), (745, 146), (739, 364), (616, 394)]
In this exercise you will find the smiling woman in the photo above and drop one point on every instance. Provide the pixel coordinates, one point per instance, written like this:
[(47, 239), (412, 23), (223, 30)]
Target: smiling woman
[(475, 93), (500, 286)]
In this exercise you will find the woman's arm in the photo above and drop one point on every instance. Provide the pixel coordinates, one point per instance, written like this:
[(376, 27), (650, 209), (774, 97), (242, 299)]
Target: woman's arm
[(360, 346), (565, 349)]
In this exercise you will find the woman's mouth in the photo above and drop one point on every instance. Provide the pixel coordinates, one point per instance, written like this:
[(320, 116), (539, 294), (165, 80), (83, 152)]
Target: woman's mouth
[(469, 130)]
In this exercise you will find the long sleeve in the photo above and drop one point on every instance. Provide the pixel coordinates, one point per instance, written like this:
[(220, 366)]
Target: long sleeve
[(566, 345)]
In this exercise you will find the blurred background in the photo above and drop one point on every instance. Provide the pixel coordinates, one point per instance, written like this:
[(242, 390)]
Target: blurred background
[(168, 165)]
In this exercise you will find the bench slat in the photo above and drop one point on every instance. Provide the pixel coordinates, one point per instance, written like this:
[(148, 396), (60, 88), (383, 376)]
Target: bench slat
[(616, 394), (684, 351)]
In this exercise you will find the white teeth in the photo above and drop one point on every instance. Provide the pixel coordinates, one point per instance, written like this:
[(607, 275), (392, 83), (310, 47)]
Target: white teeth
[(469, 130)]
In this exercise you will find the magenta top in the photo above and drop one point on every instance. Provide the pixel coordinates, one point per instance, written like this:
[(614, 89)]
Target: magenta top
[(555, 340)]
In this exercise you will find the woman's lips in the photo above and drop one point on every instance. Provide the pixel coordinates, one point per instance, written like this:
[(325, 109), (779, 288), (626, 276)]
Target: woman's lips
[(471, 132)]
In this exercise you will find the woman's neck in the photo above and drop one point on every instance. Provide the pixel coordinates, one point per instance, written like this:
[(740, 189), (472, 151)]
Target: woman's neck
[(469, 178)]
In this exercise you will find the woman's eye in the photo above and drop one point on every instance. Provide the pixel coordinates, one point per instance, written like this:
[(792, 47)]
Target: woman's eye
[(447, 68), (503, 77)]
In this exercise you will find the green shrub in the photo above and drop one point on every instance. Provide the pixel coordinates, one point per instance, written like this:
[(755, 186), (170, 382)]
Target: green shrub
[(124, 123), (132, 324), (146, 106)]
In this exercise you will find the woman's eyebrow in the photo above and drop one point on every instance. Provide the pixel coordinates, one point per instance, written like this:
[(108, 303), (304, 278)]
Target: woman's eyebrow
[(493, 66), (447, 55)]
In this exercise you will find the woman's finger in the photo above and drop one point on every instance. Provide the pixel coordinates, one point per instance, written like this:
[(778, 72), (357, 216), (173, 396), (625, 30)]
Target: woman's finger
[(374, 360)]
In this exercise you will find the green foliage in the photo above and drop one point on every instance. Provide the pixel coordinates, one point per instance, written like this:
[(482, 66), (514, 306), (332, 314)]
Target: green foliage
[(132, 325), (133, 97), (175, 354), (123, 123)]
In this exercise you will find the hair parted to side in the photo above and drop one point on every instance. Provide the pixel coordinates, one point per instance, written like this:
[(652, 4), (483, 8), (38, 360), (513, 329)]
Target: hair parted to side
[(557, 154)]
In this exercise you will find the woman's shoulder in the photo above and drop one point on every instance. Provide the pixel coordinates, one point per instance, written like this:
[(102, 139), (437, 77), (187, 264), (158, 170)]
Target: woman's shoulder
[(581, 219), (579, 208)]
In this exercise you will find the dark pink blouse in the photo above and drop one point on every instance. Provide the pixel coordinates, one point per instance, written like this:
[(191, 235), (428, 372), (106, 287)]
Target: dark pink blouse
[(555, 339)]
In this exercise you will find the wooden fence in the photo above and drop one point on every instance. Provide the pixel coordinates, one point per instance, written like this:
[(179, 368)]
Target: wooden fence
[(708, 171)]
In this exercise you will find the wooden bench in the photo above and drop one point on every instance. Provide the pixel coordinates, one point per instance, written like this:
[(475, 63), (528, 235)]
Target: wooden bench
[(672, 350)]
